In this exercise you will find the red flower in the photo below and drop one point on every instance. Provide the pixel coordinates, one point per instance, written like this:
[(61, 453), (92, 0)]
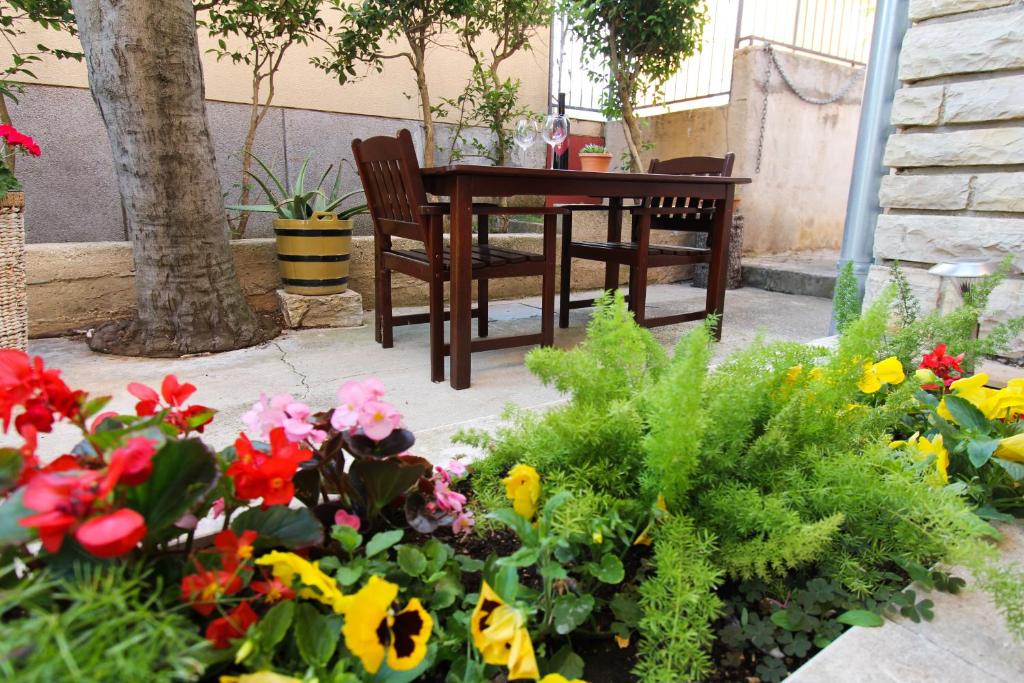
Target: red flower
[(174, 392), (273, 590), (60, 500), (222, 630), (149, 400), (201, 590), (234, 549), (267, 476), (112, 534), (945, 366), (174, 395), (15, 138), (26, 383), (133, 462)]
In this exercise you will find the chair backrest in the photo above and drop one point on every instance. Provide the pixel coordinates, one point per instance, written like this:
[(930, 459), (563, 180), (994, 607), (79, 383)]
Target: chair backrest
[(391, 179), (701, 221)]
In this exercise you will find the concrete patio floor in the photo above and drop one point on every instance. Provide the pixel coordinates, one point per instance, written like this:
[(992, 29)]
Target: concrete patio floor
[(311, 364)]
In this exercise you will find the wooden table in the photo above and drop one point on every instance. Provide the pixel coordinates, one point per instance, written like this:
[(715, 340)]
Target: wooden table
[(462, 183)]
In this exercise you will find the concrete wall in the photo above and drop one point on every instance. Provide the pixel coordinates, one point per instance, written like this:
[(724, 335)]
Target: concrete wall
[(956, 188), (74, 286), (798, 199)]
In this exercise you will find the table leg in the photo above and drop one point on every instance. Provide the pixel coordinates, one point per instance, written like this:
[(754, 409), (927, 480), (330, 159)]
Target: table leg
[(718, 269), (611, 270), (461, 282)]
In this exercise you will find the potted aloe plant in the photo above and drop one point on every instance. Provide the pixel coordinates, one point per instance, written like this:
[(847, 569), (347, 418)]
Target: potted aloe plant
[(13, 307), (313, 232), (595, 158)]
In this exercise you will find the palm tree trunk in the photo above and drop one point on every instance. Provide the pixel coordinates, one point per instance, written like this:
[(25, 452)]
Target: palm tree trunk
[(146, 78)]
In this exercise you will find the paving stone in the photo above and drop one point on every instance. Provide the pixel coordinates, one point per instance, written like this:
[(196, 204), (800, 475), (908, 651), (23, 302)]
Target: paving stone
[(982, 147), (924, 191), (926, 9), (989, 99), (999, 192), (917, 106), (329, 310), (996, 42)]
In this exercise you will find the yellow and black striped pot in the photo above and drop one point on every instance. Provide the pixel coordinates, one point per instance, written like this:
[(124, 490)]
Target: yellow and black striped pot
[(313, 254)]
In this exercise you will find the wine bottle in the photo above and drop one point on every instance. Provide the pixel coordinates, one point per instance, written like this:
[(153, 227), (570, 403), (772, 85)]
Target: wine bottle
[(561, 152)]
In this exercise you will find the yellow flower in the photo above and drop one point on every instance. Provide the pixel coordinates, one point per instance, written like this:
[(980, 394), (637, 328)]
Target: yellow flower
[(522, 487), (623, 643), (597, 537), (1007, 403), (888, 371), (260, 677), (559, 678), (793, 374), (660, 508), (1012, 448), (499, 633), (318, 586), (926, 376), (973, 390), (924, 448), (372, 630)]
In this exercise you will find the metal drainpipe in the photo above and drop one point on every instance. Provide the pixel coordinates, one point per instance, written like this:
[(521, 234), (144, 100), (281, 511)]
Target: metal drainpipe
[(862, 208)]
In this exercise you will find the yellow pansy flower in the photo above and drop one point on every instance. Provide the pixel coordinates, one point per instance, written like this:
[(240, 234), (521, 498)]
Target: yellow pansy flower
[(973, 390), (559, 678), (1012, 448), (317, 585), (372, 630), (522, 487), (623, 643), (1007, 403), (499, 633), (260, 677), (888, 371), (924, 447)]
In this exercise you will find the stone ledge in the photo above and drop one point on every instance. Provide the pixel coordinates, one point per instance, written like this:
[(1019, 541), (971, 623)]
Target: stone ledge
[(928, 9), (344, 309)]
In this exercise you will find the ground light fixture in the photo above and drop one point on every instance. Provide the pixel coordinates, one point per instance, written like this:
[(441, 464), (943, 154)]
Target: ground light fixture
[(962, 273)]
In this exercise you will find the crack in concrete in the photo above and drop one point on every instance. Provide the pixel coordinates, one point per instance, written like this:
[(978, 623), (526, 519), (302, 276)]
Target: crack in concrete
[(303, 380)]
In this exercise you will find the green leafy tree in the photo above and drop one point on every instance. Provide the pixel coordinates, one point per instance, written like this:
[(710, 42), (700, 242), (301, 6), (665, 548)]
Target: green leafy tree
[(364, 32), (267, 28), (642, 43), (491, 33)]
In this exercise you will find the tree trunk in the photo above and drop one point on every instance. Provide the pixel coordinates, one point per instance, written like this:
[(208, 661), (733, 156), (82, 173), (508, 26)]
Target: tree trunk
[(146, 78), (631, 131), (428, 116), (5, 118)]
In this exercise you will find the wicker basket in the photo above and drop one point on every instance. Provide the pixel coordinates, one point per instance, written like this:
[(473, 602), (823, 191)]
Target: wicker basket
[(13, 308)]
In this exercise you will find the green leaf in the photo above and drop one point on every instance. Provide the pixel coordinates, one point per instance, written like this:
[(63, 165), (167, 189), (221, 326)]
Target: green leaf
[(1014, 469), (860, 617), (280, 525), (385, 479), (349, 538), (610, 570), (524, 557), (183, 472), (348, 575), (11, 462), (315, 634), (274, 625), (519, 524), (411, 560), (567, 663), (785, 619), (967, 415), (469, 564), (437, 554), (11, 511), (383, 540), (506, 583), (571, 611), (626, 609), (980, 450)]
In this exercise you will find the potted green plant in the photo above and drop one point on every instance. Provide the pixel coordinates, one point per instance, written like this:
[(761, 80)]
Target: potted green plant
[(313, 232), (595, 158), (13, 306)]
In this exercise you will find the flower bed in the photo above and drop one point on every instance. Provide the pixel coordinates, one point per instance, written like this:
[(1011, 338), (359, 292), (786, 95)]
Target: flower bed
[(668, 523)]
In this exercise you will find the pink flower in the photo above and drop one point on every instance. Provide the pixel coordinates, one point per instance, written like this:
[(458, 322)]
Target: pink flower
[(448, 500), (283, 411), (457, 468), (378, 419), (464, 522), (351, 397), (217, 508), (343, 518)]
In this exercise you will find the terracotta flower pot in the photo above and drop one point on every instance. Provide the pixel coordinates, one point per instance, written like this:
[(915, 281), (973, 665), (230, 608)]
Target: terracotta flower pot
[(313, 254), (595, 161)]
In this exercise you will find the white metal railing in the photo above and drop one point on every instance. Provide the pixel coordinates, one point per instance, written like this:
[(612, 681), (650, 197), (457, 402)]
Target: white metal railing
[(837, 30)]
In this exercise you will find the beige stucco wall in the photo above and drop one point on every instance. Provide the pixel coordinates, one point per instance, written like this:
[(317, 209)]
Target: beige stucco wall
[(956, 187), (302, 86), (798, 199)]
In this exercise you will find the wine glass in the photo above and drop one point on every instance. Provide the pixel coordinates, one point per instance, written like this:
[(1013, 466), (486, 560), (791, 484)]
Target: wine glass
[(556, 129), (525, 135)]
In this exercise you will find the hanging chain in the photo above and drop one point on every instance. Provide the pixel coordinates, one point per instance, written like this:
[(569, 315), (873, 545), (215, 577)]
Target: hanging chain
[(772, 61)]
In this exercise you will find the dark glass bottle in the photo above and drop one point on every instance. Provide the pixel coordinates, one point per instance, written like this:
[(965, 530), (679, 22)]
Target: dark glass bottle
[(560, 153)]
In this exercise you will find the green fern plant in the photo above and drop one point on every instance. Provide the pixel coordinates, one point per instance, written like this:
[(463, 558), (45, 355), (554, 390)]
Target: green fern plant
[(846, 303)]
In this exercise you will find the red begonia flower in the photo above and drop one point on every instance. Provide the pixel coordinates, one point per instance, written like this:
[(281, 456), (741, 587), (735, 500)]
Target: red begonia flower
[(149, 400), (134, 461), (234, 549), (221, 631), (112, 534), (175, 393), (202, 589), (273, 590)]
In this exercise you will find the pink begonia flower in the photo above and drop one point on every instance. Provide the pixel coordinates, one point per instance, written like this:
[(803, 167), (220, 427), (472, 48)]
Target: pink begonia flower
[(464, 522), (187, 521), (283, 411), (448, 500), (378, 419), (351, 397), (217, 509), (456, 468), (343, 518)]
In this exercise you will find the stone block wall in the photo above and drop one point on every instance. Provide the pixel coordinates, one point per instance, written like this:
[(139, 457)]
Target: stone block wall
[(956, 187)]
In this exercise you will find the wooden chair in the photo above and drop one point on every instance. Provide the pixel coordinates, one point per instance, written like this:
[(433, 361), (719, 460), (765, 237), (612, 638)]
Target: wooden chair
[(678, 214), (399, 207)]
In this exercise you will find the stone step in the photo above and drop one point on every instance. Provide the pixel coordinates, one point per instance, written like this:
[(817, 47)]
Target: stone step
[(810, 273)]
